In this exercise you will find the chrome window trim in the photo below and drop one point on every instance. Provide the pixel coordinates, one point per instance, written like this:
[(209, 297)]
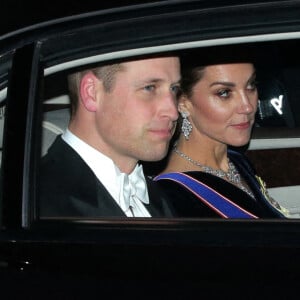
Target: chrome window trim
[(280, 143), (171, 47), (3, 94)]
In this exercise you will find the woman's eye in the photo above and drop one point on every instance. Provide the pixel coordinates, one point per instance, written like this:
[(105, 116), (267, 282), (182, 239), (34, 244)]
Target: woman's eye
[(252, 85), (223, 93)]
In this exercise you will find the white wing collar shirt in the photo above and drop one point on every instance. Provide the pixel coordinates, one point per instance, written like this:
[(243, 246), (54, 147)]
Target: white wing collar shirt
[(128, 190)]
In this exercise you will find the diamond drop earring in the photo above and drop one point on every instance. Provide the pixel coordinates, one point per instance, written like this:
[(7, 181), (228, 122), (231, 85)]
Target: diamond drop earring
[(186, 126)]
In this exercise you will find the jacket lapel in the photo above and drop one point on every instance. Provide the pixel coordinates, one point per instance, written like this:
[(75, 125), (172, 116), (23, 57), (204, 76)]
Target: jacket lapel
[(159, 205)]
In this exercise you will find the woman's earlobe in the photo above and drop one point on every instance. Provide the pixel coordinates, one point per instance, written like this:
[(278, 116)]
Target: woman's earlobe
[(88, 91), (182, 108), (184, 105)]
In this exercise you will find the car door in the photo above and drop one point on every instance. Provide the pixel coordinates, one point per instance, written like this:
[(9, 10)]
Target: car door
[(78, 256)]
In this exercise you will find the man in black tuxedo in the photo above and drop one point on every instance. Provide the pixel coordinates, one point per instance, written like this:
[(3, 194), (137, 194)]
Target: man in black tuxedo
[(120, 114)]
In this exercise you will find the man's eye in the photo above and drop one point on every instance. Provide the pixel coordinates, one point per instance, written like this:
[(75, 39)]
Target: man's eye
[(149, 88), (175, 89)]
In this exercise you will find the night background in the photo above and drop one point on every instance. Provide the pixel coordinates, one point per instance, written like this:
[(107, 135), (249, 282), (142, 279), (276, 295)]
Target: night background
[(16, 14)]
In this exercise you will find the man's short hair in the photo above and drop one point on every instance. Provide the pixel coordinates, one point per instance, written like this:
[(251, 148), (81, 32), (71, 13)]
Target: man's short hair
[(105, 73)]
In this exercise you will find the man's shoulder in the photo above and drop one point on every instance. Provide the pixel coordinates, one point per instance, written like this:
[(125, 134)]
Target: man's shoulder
[(60, 152), (62, 160), (59, 146)]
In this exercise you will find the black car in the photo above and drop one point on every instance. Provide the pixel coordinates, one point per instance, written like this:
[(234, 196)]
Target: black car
[(149, 258)]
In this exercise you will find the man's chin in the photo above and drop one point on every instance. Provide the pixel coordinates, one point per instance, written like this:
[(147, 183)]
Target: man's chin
[(156, 156)]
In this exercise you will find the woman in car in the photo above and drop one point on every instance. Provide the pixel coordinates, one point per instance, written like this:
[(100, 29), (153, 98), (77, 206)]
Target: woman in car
[(204, 176)]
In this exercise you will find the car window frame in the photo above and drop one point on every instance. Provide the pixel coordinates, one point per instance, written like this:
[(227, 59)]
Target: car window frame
[(19, 134), (118, 55)]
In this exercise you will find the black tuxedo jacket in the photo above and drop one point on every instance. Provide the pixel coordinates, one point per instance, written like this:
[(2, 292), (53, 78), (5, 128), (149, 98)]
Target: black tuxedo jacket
[(68, 187)]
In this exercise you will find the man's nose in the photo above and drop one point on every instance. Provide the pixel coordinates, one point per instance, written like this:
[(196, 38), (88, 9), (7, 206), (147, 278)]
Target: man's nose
[(169, 106)]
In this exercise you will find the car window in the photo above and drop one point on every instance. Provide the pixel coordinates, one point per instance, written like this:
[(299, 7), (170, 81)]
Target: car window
[(277, 120)]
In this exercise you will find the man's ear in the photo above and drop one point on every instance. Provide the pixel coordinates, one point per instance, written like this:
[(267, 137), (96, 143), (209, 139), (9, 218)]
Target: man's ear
[(88, 91)]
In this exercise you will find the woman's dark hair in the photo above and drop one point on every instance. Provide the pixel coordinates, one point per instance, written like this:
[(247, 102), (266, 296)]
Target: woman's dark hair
[(193, 62), (189, 78)]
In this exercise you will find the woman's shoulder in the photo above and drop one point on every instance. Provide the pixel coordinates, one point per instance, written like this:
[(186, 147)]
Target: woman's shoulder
[(241, 160)]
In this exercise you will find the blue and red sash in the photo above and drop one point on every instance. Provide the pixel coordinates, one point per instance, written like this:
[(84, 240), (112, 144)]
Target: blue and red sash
[(222, 205)]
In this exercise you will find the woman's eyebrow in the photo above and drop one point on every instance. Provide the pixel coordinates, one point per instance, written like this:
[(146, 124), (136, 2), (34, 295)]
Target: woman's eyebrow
[(253, 76), (232, 84), (226, 83)]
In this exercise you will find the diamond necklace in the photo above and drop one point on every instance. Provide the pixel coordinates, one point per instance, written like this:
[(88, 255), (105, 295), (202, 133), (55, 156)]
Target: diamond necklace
[(232, 175)]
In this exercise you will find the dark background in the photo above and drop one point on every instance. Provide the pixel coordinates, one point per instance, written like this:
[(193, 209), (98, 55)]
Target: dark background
[(16, 14)]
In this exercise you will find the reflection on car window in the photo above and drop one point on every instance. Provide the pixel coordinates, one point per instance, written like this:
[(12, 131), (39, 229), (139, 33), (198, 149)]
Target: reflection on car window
[(273, 107)]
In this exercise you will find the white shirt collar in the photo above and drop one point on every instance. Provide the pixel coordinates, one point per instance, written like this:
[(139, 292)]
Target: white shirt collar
[(108, 173)]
